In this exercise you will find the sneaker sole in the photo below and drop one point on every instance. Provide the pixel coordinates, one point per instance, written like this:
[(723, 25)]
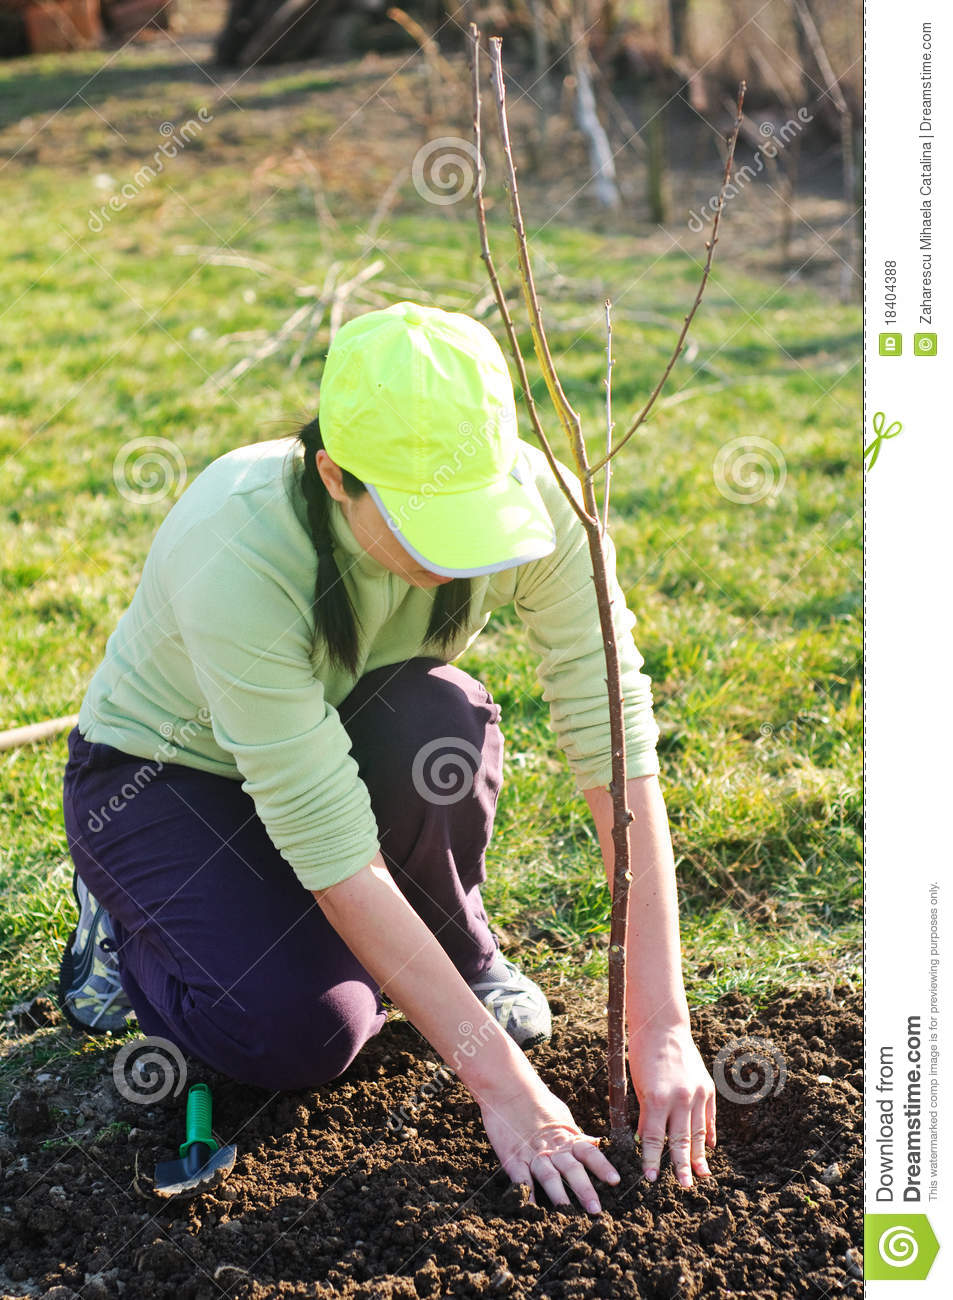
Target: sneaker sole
[(66, 980)]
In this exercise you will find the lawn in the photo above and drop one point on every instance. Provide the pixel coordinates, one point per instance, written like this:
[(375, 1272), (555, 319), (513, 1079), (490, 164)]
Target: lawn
[(746, 591)]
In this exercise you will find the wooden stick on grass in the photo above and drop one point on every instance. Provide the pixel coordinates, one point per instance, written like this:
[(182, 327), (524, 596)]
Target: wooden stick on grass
[(36, 731)]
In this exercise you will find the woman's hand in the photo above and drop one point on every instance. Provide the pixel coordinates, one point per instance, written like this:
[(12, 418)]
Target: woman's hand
[(531, 1131), (676, 1095), (535, 1136)]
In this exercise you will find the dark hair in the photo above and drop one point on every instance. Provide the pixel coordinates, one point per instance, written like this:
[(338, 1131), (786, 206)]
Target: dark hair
[(334, 615)]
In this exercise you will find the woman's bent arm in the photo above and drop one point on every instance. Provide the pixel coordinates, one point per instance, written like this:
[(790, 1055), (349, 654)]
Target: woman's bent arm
[(394, 945), (531, 1130)]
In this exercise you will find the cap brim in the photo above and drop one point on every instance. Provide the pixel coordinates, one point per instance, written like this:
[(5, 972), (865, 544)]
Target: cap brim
[(468, 534)]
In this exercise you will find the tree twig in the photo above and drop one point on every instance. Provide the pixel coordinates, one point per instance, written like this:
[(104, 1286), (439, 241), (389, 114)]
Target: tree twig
[(216, 258), (567, 416), (303, 317), (437, 70), (384, 205), (608, 382), (317, 316), (474, 40)]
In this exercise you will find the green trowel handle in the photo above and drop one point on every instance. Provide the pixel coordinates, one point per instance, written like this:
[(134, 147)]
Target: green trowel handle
[(198, 1118)]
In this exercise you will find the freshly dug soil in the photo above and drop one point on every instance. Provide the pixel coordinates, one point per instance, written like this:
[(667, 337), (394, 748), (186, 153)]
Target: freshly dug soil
[(383, 1184)]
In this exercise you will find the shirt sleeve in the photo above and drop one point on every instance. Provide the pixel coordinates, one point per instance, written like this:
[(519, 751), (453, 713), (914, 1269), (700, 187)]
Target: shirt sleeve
[(249, 640), (556, 599)]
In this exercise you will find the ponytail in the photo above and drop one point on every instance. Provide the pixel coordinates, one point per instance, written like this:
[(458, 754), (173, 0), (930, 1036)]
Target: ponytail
[(334, 615)]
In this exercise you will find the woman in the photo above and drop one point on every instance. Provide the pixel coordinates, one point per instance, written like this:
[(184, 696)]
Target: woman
[(280, 790)]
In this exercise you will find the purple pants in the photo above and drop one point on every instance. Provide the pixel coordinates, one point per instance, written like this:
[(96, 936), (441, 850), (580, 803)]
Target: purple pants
[(221, 949)]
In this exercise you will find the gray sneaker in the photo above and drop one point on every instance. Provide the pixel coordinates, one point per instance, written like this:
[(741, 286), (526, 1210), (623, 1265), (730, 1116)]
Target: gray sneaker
[(517, 1003), (90, 992)]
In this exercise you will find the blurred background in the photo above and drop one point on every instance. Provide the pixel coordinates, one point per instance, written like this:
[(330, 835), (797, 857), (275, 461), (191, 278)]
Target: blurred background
[(636, 94), (197, 195)]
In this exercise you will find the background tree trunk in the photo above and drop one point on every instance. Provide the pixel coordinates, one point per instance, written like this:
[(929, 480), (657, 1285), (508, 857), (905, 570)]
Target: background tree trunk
[(272, 31), (678, 26)]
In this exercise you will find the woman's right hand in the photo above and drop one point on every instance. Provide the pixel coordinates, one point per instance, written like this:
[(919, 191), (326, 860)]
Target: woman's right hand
[(531, 1131), (536, 1137)]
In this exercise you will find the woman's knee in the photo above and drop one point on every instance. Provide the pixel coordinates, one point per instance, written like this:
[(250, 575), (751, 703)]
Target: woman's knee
[(425, 731), (289, 1044)]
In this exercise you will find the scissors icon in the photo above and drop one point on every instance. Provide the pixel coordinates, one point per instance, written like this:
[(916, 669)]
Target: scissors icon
[(873, 450)]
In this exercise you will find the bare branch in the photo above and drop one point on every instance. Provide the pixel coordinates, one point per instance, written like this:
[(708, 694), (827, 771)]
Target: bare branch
[(609, 424), (473, 35), (710, 245), (567, 416), (309, 317), (384, 205)]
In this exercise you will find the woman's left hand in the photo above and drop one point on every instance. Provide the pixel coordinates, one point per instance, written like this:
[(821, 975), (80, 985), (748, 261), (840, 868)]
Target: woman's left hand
[(676, 1097)]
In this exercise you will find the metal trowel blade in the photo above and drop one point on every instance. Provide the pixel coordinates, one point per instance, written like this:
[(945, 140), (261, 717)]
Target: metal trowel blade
[(172, 1177)]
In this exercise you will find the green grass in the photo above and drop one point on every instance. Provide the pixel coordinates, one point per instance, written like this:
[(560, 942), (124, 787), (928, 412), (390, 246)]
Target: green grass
[(748, 613)]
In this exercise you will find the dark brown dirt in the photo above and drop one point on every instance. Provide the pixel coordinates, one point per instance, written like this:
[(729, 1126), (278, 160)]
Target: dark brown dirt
[(383, 1184)]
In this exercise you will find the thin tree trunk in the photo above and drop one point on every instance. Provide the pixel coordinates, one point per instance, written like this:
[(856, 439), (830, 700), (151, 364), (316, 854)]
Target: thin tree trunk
[(657, 162), (238, 28), (601, 162), (542, 88), (806, 22), (621, 1135), (678, 26), (271, 39)]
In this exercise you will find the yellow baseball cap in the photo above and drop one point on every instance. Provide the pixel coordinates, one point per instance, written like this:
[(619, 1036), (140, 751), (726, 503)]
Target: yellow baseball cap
[(418, 403)]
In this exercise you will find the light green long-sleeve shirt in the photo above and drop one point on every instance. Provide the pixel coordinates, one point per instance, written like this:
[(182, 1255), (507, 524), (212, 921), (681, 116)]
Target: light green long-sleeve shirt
[(210, 667)]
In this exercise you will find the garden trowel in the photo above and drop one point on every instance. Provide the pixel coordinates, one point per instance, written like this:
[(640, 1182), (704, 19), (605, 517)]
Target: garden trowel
[(202, 1163)]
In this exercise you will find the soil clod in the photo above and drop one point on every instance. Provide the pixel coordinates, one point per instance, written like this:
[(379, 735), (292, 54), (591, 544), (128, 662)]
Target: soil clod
[(28, 1113)]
